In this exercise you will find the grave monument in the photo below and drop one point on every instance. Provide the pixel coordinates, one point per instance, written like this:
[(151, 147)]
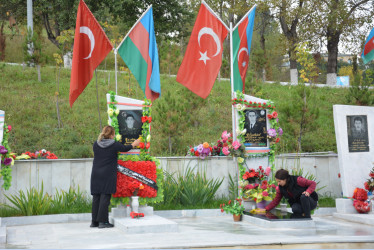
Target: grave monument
[(354, 131)]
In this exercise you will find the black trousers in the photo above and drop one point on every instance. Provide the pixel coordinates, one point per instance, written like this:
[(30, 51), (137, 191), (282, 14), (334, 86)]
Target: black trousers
[(306, 204), (100, 207)]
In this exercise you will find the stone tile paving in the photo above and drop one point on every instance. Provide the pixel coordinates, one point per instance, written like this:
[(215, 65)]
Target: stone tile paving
[(194, 232)]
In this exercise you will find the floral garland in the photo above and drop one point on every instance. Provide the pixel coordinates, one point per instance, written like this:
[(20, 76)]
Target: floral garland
[(6, 159), (273, 133), (144, 150), (41, 154)]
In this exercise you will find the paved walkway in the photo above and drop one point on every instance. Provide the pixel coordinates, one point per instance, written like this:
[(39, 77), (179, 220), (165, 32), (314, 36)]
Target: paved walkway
[(195, 232)]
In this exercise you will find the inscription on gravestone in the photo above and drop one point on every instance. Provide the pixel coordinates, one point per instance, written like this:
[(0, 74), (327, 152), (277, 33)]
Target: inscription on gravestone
[(255, 123), (358, 139)]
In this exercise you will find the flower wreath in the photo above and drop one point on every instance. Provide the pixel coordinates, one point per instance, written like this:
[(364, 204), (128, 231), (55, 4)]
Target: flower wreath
[(143, 163), (273, 133), (6, 159)]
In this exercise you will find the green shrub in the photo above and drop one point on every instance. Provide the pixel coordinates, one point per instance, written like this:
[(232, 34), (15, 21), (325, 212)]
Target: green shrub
[(196, 188), (34, 202)]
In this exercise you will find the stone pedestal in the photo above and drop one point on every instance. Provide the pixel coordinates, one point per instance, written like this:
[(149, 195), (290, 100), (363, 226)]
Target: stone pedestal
[(146, 224), (345, 206), (122, 211)]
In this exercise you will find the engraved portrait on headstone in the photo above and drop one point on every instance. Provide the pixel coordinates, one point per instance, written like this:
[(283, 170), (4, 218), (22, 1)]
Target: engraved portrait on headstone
[(358, 140), (130, 125), (255, 123)]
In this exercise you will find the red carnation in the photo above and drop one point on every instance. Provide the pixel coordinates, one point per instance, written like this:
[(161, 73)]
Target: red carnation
[(270, 116), (141, 145), (275, 114), (148, 145), (277, 140)]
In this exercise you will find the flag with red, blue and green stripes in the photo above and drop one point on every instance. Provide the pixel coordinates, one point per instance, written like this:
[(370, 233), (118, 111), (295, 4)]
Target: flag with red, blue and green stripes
[(368, 52), (139, 51), (241, 45)]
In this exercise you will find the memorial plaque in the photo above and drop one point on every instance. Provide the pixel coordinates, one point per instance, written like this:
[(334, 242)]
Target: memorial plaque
[(130, 125), (255, 123), (358, 139)]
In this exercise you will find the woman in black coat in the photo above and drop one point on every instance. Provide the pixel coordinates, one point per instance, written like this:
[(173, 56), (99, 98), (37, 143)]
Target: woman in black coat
[(104, 174)]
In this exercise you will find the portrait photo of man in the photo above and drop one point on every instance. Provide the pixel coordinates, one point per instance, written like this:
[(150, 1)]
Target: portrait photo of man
[(255, 124), (358, 140), (130, 125)]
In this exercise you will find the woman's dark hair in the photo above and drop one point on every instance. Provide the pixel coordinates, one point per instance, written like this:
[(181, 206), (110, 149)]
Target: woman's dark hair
[(282, 174)]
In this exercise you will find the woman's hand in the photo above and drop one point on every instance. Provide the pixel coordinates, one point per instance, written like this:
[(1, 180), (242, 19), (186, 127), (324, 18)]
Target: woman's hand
[(135, 143), (306, 193)]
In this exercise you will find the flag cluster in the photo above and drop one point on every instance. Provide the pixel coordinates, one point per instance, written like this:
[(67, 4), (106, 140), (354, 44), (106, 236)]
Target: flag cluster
[(200, 65), (91, 46)]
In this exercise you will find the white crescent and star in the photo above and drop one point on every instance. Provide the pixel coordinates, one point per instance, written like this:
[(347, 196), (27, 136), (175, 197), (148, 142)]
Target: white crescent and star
[(208, 31), (88, 32), (246, 51)]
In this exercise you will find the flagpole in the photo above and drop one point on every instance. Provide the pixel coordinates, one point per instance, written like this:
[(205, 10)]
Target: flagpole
[(211, 11), (244, 17), (115, 67), (134, 25), (97, 100), (232, 85)]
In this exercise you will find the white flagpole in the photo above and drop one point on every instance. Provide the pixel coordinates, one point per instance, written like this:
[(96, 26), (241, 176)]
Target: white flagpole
[(211, 11), (232, 84), (134, 26), (115, 67), (241, 20)]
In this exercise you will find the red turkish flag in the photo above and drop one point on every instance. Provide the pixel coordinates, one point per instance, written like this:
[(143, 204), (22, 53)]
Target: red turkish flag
[(203, 57), (91, 46)]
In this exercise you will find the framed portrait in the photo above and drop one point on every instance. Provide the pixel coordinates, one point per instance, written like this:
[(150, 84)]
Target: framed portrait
[(357, 129), (255, 124), (130, 125)]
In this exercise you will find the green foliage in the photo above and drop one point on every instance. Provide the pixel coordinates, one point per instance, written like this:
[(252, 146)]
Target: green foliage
[(233, 207), (71, 201), (195, 188), (359, 92), (32, 48), (36, 202), (191, 189), (33, 202), (233, 187), (301, 113)]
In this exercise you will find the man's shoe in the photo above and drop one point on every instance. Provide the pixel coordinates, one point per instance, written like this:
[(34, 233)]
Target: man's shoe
[(94, 224), (105, 225)]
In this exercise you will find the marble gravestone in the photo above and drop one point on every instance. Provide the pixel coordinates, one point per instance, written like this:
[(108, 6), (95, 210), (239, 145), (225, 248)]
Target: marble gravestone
[(256, 135), (354, 131), (129, 120)]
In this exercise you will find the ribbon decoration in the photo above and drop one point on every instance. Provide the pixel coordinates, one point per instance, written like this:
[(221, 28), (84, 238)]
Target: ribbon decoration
[(137, 176)]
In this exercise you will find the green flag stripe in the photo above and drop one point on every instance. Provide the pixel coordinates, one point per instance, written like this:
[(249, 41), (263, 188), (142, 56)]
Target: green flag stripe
[(135, 61), (238, 84), (369, 56)]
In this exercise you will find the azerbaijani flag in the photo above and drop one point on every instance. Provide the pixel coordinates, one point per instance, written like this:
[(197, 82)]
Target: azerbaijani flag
[(241, 45), (139, 51), (368, 52)]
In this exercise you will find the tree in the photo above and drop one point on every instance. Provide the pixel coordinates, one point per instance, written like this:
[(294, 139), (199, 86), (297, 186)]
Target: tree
[(291, 15), (342, 21), (32, 50)]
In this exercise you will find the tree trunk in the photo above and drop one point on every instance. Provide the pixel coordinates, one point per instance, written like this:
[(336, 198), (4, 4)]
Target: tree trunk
[(333, 37), (60, 125), (262, 43), (2, 42), (170, 145), (39, 75)]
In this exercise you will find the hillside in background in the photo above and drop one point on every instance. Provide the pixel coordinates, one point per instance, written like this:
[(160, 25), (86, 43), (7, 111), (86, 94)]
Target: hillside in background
[(180, 118)]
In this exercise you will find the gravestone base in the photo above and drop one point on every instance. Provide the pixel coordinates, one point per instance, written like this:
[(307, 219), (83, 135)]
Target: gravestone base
[(345, 206), (122, 211), (2, 233), (279, 222), (146, 224)]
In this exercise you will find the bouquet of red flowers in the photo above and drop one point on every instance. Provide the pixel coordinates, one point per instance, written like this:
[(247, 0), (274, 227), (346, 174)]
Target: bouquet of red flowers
[(369, 184), (360, 204)]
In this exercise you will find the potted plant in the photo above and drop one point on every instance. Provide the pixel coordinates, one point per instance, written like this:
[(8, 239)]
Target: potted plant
[(233, 207)]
